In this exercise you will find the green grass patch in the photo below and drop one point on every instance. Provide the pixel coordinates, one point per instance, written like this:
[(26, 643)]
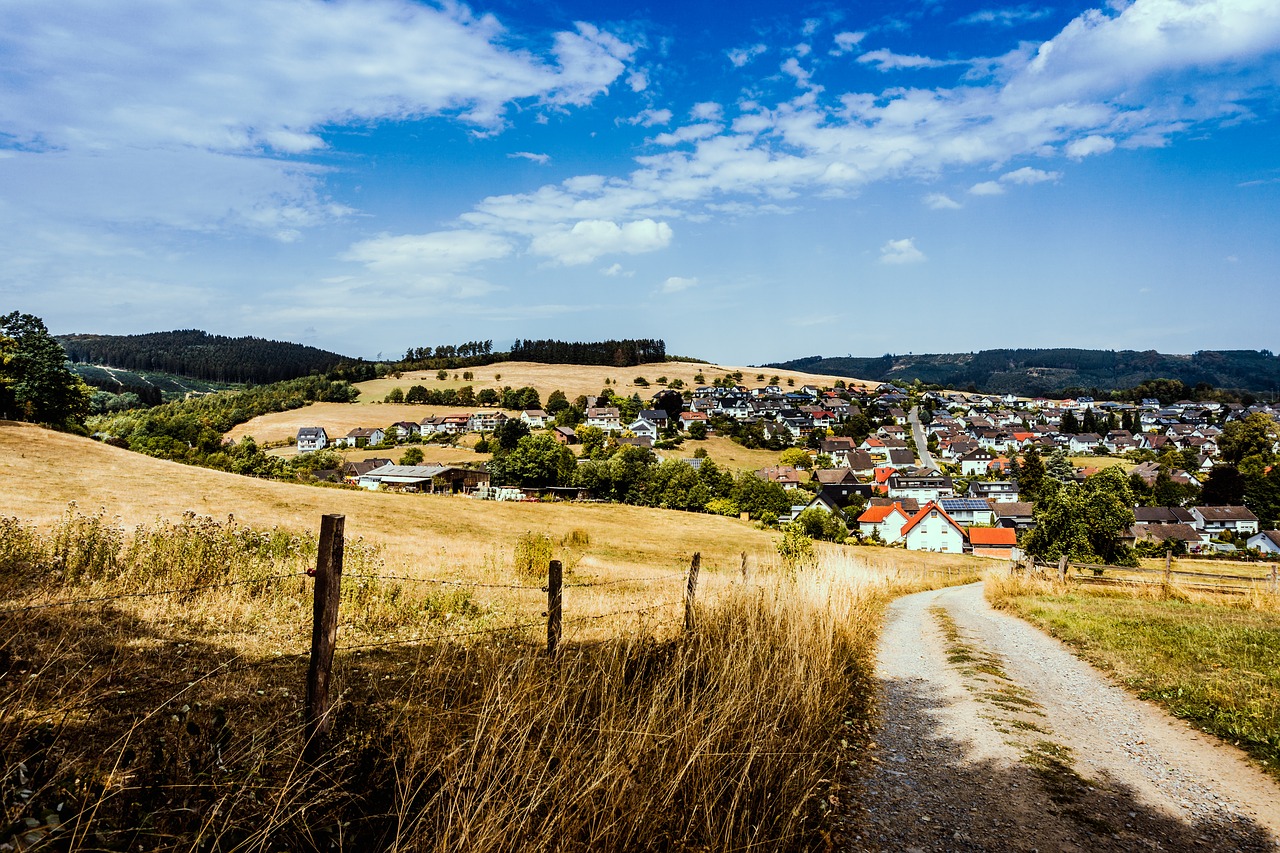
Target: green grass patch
[(1216, 666)]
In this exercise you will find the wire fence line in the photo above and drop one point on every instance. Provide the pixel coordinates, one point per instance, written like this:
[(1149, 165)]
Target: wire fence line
[(101, 599)]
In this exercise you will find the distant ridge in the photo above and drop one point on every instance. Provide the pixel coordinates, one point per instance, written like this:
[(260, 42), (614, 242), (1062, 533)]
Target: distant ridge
[(200, 355), (1050, 372)]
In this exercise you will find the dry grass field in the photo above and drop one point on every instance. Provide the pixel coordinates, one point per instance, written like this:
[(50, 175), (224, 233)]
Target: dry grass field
[(1100, 462), (575, 380), (177, 697), (338, 419)]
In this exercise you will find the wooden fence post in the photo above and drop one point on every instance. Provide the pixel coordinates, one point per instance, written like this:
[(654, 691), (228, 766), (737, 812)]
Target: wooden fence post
[(1275, 582), (555, 605), (1062, 569), (745, 575), (1168, 565), (691, 589), (324, 631)]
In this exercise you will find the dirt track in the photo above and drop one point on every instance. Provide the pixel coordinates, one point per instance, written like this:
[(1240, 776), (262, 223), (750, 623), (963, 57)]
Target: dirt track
[(995, 737)]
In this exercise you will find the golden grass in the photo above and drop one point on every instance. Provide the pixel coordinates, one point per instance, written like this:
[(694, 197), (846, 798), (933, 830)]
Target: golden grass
[(1102, 462), (338, 419), (577, 380)]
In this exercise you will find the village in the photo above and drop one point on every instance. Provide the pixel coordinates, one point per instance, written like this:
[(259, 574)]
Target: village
[(926, 471)]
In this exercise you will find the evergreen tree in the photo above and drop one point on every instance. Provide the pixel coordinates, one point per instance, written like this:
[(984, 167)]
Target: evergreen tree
[(1031, 475), (1070, 423), (35, 383)]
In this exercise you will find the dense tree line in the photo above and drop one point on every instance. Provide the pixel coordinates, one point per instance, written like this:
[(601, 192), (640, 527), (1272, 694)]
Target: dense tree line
[(214, 358), (192, 430), (35, 382), (1054, 372), (624, 353)]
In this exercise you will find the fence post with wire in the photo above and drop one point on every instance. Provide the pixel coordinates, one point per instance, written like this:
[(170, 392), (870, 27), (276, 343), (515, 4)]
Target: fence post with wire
[(324, 631)]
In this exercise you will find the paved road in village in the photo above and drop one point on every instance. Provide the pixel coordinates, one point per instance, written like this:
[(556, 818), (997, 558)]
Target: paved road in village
[(922, 445)]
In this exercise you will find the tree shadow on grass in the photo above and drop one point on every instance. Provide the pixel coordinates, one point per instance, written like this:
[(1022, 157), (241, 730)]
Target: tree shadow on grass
[(920, 789)]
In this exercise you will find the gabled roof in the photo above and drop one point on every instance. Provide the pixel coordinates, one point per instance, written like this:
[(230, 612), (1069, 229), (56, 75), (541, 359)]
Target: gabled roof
[(1226, 513), (877, 514), (925, 512), (1013, 509), (835, 476)]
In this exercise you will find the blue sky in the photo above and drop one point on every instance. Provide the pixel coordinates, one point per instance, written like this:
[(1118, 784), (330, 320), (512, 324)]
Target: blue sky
[(752, 182)]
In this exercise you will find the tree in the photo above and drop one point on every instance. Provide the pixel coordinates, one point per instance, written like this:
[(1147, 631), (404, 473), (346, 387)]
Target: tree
[(759, 497), (1031, 475), (1070, 423), (698, 430), (35, 382), (1251, 438), (1085, 522), (817, 523), (592, 439), (509, 433), (487, 397), (557, 402), (1059, 466), (411, 456), (396, 395), (796, 457), (1224, 487), (539, 461)]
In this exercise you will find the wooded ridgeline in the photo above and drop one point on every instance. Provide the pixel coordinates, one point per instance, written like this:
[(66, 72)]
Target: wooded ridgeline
[(622, 353)]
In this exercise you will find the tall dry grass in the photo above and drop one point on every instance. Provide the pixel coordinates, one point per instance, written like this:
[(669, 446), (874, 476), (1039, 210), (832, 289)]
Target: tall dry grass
[(173, 723)]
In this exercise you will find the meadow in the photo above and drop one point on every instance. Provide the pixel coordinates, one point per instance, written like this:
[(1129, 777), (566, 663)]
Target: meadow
[(1210, 658)]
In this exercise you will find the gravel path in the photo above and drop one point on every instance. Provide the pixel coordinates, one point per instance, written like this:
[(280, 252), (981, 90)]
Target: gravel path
[(993, 736)]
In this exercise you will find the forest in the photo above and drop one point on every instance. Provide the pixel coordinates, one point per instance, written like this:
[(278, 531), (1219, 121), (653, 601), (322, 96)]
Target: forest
[(624, 353), (1059, 372), (200, 355)]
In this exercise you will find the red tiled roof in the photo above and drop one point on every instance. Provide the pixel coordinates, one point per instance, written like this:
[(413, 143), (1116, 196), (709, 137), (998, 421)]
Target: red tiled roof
[(877, 514), (924, 513), (993, 536)]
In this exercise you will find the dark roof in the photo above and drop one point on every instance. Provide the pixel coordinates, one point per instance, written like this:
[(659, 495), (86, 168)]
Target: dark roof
[(1226, 513), (1014, 509), (1162, 515)]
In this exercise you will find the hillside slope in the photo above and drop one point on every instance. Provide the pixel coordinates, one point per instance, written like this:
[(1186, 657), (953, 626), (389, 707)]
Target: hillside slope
[(1034, 372), (41, 472)]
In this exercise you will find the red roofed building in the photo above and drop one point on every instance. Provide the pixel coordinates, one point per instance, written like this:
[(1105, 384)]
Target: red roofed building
[(888, 521), (1000, 542), (933, 530)]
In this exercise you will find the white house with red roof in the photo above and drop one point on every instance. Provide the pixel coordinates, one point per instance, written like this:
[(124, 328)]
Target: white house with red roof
[(933, 530), (888, 521)]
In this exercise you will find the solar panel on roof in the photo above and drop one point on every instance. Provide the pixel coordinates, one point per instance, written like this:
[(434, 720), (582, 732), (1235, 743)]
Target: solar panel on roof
[(963, 503)]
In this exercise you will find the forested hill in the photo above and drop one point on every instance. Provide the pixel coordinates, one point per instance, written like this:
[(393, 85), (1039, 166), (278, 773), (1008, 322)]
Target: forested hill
[(196, 354), (1051, 372)]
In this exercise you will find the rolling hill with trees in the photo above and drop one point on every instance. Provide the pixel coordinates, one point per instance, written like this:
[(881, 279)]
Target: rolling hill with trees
[(1060, 372)]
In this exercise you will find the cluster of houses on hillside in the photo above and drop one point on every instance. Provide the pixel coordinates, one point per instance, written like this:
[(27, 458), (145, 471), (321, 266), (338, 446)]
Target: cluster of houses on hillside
[(975, 436)]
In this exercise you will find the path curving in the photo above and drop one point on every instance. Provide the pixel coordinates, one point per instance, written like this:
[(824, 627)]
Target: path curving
[(993, 736)]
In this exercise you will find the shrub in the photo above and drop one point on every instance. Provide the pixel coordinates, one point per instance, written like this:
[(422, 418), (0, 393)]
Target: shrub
[(577, 538), (796, 549), (533, 553)]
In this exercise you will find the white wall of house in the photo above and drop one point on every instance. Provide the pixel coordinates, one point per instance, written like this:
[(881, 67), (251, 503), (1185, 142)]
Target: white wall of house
[(935, 533)]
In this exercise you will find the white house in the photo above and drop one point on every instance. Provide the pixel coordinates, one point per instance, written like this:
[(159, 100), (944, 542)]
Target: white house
[(975, 462), (644, 428), (933, 530), (312, 438), (364, 436), (1268, 541), (888, 521), (1217, 519), (607, 418), (533, 418)]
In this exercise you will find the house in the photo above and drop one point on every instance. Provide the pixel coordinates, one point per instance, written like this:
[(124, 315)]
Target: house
[(839, 486), (486, 421), (405, 429), (657, 417), (607, 418), (534, 418), (364, 436), (354, 470), (976, 462), (887, 521), (933, 530), (1216, 520), (860, 462), (1185, 533), (440, 479), (998, 542), (1005, 491), (312, 438), (1018, 516), (565, 435), (921, 485), (688, 419), (968, 511), (1162, 515), (784, 475), (1267, 541), (900, 458), (1083, 443), (644, 428), (636, 441)]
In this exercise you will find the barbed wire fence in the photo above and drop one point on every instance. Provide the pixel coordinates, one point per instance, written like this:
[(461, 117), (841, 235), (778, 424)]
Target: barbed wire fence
[(327, 595)]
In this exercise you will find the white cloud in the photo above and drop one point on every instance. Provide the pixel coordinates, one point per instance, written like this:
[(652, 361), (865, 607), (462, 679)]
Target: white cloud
[(742, 55), (707, 111), (688, 133), (592, 238), (676, 283), (540, 159), (1009, 17), (887, 60), (436, 252), (901, 252), (846, 42), (615, 270), (218, 89), (638, 81), (1027, 175), (1078, 149), (793, 68), (986, 188), (940, 201), (649, 118)]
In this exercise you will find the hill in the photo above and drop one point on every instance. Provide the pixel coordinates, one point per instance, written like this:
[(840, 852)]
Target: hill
[(1050, 372), (199, 355)]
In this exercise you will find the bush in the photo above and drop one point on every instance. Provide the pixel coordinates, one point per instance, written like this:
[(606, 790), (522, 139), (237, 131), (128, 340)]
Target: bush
[(533, 554), (577, 538), (796, 549), (723, 506)]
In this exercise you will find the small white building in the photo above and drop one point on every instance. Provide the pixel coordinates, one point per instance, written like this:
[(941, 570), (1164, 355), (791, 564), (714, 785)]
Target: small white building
[(1268, 541), (933, 530), (607, 418), (312, 438), (887, 521), (534, 418)]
